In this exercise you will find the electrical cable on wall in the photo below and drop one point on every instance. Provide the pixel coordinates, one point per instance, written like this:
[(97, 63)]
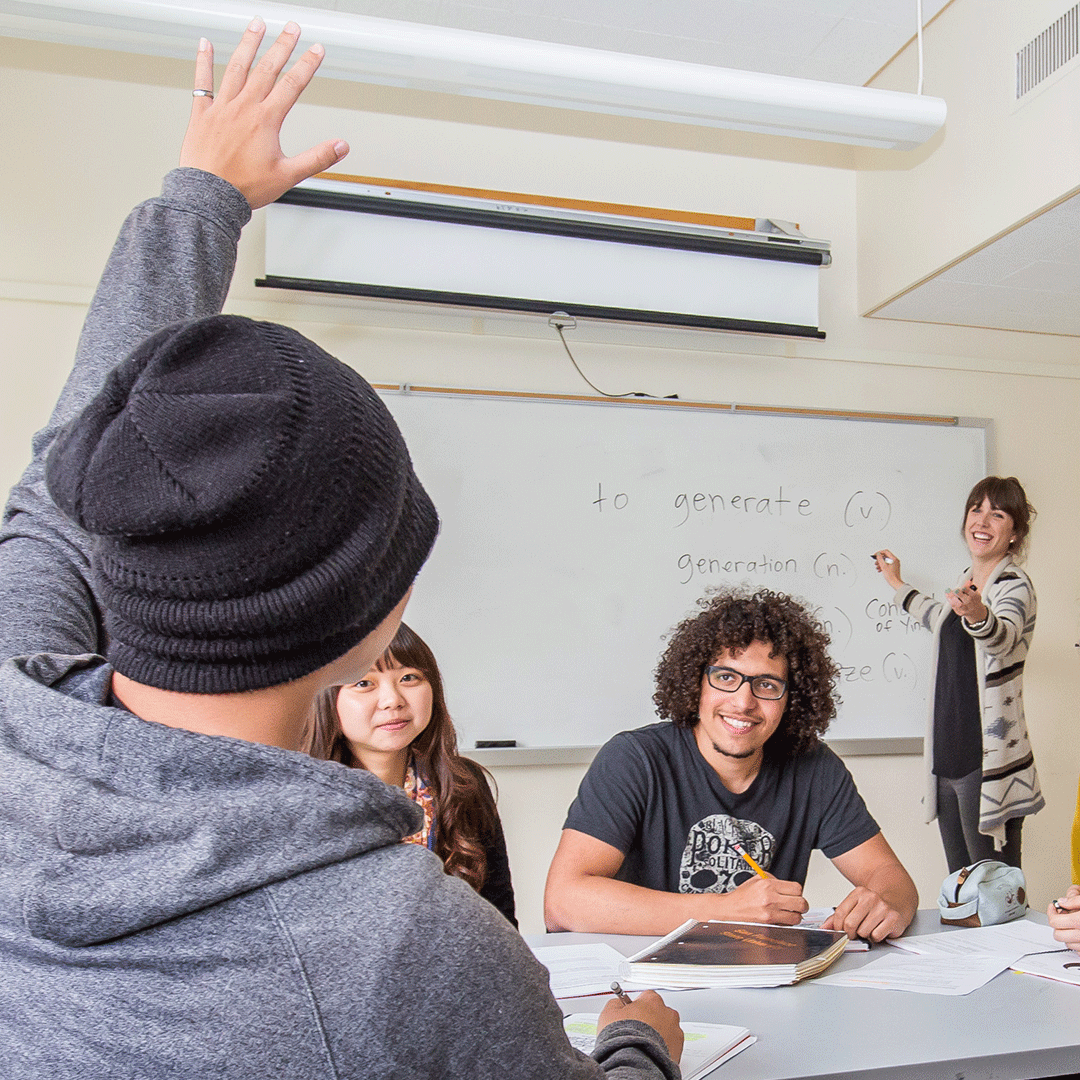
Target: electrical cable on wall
[(559, 321)]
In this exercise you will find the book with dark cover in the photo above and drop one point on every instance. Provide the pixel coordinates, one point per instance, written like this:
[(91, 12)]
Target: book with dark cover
[(735, 954), (723, 944)]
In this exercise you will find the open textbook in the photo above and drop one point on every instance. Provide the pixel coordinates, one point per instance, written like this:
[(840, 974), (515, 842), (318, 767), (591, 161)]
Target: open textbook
[(705, 1046), (734, 954)]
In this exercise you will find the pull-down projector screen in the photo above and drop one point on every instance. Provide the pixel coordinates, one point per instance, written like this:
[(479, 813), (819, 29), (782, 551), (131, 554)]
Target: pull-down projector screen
[(375, 241)]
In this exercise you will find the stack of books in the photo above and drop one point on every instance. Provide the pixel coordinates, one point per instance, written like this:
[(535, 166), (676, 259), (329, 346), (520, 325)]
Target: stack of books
[(700, 954)]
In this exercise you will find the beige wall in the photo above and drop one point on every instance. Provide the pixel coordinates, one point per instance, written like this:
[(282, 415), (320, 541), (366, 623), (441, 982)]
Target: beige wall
[(94, 131), (995, 163)]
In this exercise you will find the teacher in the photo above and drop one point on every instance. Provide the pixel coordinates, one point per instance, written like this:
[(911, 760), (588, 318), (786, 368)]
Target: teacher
[(981, 773)]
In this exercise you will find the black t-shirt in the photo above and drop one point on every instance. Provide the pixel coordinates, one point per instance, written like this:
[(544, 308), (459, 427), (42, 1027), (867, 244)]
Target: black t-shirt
[(957, 715), (652, 795)]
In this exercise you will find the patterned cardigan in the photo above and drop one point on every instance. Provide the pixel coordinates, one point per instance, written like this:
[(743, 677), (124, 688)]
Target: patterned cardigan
[(1010, 785)]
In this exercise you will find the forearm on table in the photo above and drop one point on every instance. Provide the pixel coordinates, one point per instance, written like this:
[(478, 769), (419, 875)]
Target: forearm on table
[(602, 905), (894, 885)]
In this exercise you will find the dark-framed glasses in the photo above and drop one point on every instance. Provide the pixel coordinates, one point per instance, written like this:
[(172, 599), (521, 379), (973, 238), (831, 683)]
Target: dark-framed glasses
[(765, 687)]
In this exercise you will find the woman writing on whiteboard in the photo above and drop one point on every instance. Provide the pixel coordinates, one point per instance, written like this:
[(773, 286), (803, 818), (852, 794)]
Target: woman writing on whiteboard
[(394, 723), (982, 779)]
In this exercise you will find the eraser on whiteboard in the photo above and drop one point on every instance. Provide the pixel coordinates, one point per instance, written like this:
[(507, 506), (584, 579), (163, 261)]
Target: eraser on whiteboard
[(495, 744)]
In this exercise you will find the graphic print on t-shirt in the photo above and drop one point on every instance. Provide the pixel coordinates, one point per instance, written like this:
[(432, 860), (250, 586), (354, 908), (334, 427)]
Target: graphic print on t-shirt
[(710, 862)]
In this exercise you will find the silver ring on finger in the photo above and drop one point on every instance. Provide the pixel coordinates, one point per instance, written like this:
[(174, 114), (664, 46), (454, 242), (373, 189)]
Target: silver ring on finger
[(203, 93)]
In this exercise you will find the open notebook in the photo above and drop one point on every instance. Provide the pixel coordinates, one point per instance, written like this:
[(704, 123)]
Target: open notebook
[(705, 1046)]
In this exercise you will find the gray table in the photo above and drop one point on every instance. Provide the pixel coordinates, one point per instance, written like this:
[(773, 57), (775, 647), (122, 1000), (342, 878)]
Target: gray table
[(1014, 1028)]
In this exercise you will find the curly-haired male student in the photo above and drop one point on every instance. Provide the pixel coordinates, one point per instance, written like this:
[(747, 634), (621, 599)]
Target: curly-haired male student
[(714, 814)]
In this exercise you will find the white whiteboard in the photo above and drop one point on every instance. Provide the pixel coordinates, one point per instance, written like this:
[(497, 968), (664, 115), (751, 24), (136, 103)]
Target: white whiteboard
[(575, 535)]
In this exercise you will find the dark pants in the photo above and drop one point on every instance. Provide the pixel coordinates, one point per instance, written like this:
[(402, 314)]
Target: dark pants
[(958, 822)]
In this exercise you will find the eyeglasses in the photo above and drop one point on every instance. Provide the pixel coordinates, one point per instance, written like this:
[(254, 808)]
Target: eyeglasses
[(764, 687)]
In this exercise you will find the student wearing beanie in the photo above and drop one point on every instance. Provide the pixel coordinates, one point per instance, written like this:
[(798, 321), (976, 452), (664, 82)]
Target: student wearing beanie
[(219, 521)]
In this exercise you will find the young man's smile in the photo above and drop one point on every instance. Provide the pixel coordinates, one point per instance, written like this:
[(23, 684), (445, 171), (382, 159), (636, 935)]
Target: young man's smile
[(737, 724)]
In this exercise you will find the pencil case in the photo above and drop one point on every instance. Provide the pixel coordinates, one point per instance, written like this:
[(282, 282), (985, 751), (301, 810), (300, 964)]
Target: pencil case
[(983, 894)]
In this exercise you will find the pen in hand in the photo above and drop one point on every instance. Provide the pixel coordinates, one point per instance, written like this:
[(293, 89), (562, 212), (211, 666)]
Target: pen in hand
[(621, 994)]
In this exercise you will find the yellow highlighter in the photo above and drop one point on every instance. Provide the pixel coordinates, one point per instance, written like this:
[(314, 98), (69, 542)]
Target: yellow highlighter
[(753, 865)]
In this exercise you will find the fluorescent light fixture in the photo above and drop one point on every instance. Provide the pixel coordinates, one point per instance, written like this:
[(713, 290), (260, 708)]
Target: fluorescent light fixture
[(418, 56), (375, 241)]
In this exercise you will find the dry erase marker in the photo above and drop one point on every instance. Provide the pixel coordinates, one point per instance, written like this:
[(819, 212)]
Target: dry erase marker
[(753, 865), (621, 994), (1058, 908), (884, 558)]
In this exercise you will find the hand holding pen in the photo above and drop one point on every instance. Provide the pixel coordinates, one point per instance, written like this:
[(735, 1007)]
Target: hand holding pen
[(888, 566), (650, 1009), (1064, 916), (967, 602)]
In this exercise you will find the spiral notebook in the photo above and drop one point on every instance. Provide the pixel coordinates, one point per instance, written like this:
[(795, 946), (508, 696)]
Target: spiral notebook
[(734, 954)]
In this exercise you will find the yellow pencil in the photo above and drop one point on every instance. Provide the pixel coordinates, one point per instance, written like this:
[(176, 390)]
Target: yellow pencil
[(753, 865)]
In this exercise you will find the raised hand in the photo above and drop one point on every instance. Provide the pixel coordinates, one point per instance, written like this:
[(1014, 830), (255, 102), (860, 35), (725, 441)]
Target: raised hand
[(235, 133), (888, 566)]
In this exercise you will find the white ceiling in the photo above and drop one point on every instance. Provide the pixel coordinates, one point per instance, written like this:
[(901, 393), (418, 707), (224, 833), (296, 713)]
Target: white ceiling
[(1028, 279), (844, 41)]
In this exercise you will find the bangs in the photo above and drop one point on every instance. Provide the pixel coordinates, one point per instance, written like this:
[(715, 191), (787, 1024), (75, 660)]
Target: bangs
[(408, 650), (997, 490)]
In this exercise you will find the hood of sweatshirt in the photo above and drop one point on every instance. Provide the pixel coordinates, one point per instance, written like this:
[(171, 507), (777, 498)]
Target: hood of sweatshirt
[(110, 824)]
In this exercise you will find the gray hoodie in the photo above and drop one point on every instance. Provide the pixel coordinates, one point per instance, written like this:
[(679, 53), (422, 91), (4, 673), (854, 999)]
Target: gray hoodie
[(180, 905)]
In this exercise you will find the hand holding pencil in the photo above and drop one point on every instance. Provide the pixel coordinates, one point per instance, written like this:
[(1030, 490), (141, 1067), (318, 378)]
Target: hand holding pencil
[(764, 898), (650, 1009)]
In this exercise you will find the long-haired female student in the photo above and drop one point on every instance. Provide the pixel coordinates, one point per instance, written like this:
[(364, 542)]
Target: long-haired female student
[(394, 723)]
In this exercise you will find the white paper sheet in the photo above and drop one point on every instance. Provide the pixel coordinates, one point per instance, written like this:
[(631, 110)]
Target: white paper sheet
[(578, 970), (953, 975), (1063, 965), (1011, 939)]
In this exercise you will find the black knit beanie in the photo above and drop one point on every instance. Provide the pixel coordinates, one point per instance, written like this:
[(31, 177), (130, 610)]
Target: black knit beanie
[(253, 508)]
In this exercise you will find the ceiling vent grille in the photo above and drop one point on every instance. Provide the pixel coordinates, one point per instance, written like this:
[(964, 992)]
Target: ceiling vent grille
[(1052, 49)]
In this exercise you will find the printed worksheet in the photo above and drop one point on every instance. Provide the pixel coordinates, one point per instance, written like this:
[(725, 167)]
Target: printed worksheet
[(1011, 939), (953, 975)]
